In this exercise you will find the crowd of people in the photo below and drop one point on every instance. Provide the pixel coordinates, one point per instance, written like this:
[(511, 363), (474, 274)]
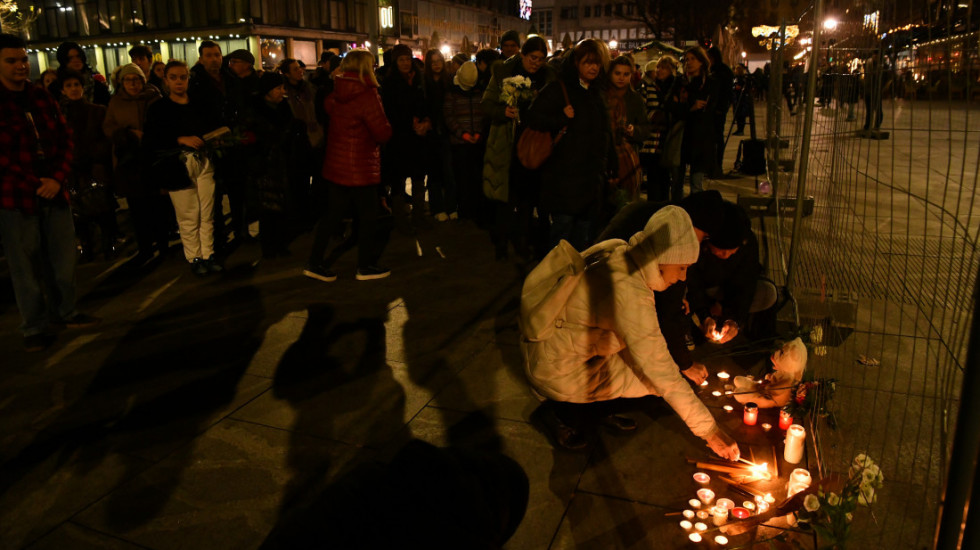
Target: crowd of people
[(401, 146)]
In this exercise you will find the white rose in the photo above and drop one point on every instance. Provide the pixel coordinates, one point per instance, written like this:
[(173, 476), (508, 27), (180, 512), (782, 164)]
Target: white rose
[(820, 351), (849, 516), (833, 499), (811, 503), (867, 497)]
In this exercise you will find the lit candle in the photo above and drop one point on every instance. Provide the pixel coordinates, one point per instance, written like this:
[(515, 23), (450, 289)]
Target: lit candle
[(686, 524), (769, 498), (689, 514), (751, 415), (785, 419), (748, 505), (719, 515), (716, 393), (724, 375), (728, 392), (706, 495), (795, 437), (695, 503), (700, 526), (728, 408), (763, 506), (742, 512), (799, 480), (766, 426), (694, 537), (702, 477), (725, 503), (703, 514), (721, 540)]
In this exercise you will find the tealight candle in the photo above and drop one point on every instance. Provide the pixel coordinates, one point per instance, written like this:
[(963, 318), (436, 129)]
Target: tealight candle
[(785, 419), (728, 408), (686, 524), (763, 506), (719, 515), (766, 426), (748, 505), (728, 392), (725, 503), (695, 503), (742, 512), (700, 526), (694, 537), (795, 437), (706, 495), (703, 514), (704, 383), (799, 480), (702, 477), (689, 514), (751, 415), (721, 540), (769, 498), (724, 375), (716, 393)]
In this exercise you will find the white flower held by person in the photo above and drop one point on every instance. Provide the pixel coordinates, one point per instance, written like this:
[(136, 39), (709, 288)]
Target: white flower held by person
[(811, 503)]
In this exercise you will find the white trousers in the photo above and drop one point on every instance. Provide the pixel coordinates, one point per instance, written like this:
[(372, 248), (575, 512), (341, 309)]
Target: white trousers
[(195, 209)]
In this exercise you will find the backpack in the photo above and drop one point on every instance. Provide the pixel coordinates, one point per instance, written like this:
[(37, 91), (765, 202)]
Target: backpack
[(549, 285)]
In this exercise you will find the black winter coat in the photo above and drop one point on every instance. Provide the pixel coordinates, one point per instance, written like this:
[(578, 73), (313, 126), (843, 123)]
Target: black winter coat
[(275, 158), (404, 101), (165, 122), (573, 178), (737, 277), (698, 147)]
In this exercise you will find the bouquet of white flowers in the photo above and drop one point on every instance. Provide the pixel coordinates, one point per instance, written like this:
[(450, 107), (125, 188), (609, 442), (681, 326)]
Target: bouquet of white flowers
[(516, 90), (830, 514)]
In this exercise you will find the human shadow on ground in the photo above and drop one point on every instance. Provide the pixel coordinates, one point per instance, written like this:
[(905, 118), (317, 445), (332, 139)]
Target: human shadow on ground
[(156, 391)]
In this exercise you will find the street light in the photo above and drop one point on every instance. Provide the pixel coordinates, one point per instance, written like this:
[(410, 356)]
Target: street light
[(744, 55), (829, 24)]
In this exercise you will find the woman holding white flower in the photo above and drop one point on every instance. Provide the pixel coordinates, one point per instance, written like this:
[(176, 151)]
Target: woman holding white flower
[(514, 188)]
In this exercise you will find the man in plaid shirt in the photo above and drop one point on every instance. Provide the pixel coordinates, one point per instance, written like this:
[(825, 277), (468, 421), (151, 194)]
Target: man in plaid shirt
[(35, 220)]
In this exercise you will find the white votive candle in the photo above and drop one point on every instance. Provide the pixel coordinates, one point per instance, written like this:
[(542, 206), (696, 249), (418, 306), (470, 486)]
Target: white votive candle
[(721, 540), (694, 537), (700, 526), (686, 524), (689, 514), (795, 437)]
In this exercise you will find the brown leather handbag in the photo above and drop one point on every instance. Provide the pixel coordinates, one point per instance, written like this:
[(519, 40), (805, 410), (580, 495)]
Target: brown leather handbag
[(535, 146)]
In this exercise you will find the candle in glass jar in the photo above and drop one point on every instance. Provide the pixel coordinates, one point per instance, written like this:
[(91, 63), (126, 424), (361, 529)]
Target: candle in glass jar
[(751, 415), (719, 515), (725, 503), (706, 495), (795, 437), (785, 419), (741, 512), (799, 480), (702, 477)]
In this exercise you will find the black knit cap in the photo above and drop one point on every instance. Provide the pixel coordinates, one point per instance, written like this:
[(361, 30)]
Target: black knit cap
[(268, 81), (705, 209), (735, 227)]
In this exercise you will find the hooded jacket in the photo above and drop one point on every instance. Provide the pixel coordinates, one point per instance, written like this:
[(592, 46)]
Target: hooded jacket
[(358, 127), (609, 344)]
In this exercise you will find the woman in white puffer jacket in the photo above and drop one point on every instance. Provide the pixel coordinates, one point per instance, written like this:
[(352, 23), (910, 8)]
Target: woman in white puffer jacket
[(607, 343)]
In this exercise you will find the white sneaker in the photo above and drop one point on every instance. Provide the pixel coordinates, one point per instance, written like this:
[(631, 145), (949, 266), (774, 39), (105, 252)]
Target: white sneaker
[(453, 216), (441, 217)]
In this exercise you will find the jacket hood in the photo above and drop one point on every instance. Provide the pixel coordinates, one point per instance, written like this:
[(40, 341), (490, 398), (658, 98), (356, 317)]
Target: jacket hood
[(148, 93), (347, 87), (667, 238)]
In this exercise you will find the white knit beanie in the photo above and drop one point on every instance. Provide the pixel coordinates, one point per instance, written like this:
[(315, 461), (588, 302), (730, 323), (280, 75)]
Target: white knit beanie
[(669, 237)]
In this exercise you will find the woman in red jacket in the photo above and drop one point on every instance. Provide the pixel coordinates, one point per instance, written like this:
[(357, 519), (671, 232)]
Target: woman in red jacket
[(352, 166)]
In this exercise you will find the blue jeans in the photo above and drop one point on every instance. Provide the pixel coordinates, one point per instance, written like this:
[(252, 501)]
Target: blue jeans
[(40, 251), (574, 229)]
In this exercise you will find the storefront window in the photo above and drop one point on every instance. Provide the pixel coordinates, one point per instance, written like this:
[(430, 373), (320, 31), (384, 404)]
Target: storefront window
[(273, 51)]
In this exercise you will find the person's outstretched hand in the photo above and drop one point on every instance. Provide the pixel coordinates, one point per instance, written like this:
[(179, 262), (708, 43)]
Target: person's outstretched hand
[(697, 373), (723, 445)]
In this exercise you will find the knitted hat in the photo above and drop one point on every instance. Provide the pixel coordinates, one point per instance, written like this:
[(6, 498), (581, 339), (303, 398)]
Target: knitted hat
[(269, 81), (734, 228), (511, 36), (399, 50), (243, 55), (466, 76), (128, 70), (705, 209), (650, 67), (668, 238)]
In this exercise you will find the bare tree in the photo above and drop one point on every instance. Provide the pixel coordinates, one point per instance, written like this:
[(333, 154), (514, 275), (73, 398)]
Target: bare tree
[(13, 19), (687, 20)]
